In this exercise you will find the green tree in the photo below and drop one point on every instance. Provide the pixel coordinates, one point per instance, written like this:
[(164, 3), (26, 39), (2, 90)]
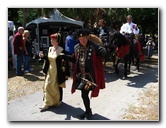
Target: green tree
[(146, 18)]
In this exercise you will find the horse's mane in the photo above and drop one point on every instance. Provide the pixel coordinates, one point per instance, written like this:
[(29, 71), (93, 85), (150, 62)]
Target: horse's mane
[(121, 38)]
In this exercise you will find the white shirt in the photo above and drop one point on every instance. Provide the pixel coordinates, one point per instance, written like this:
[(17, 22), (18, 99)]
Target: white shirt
[(129, 28)]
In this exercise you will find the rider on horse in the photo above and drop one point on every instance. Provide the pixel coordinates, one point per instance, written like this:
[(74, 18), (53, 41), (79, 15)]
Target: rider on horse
[(103, 31), (129, 28)]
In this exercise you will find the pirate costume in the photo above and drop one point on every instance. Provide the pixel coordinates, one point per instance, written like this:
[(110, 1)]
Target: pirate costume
[(88, 66)]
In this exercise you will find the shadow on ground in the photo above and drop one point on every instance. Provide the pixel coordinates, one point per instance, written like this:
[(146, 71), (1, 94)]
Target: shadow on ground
[(148, 73), (71, 111)]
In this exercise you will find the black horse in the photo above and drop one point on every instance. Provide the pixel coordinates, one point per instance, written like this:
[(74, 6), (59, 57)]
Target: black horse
[(125, 48), (136, 49), (122, 50)]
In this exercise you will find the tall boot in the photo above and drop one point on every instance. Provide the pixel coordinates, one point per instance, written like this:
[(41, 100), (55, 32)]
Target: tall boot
[(82, 116), (88, 115)]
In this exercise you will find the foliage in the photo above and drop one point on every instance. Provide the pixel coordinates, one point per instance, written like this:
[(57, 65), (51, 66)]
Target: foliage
[(146, 18)]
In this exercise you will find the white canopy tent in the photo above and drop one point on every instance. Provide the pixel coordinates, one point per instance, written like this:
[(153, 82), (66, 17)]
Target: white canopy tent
[(56, 19), (39, 21), (59, 17)]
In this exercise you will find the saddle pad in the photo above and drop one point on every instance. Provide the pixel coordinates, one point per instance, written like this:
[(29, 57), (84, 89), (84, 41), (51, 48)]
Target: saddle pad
[(142, 56), (122, 51)]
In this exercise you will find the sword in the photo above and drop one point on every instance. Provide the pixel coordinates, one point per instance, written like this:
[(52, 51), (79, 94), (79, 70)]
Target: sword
[(88, 81)]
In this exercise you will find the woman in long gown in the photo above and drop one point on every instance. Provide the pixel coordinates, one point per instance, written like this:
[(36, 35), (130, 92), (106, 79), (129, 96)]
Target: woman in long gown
[(57, 71)]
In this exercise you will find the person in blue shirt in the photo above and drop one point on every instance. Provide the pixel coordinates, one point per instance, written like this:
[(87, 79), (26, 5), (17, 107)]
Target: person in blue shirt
[(70, 43)]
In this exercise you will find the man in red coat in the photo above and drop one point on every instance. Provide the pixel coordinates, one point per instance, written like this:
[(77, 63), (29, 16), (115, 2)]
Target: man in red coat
[(18, 47), (88, 66)]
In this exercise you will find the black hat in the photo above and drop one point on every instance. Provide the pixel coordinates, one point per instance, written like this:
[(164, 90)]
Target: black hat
[(82, 32)]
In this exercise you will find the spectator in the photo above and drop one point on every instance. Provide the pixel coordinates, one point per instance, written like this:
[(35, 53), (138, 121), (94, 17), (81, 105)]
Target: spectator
[(18, 49), (27, 51), (71, 42), (14, 57), (66, 42)]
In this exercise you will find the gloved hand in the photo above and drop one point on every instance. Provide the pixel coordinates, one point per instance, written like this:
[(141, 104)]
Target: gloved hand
[(88, 85)]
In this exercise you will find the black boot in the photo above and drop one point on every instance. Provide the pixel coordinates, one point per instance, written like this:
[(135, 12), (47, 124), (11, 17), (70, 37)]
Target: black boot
[(88, 115), (82, 116)]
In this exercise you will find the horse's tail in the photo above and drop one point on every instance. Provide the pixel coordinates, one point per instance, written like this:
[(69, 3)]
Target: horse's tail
[(95, 39)]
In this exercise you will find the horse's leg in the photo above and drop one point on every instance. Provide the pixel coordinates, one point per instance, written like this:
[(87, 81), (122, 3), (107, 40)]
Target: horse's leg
[(125, 66), (129, 60), (138, 61), (136, 55), (113, 59), (116, 65), (132, 55)]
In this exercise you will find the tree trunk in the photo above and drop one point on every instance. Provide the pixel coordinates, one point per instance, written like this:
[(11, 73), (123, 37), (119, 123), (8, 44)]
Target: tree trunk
[(24, 10)]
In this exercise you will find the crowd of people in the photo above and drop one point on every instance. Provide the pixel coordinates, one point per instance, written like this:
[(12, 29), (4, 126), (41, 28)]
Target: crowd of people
[(81, 54)]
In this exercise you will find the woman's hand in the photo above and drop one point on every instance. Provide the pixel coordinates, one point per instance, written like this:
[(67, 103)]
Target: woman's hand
[(41, 55), (61, 54)]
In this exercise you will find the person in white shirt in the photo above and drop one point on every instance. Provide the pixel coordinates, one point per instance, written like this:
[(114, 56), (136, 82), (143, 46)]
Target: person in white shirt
[(129, 30), (129, 27)]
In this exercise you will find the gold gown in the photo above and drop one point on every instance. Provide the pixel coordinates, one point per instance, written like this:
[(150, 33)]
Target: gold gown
[(51, 87)]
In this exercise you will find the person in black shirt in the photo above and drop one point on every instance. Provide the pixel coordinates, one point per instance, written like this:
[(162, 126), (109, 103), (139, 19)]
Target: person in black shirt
[(27, 51)]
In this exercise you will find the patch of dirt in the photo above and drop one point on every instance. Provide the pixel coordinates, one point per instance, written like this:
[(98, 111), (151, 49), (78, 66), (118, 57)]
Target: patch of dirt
[(28, 83)]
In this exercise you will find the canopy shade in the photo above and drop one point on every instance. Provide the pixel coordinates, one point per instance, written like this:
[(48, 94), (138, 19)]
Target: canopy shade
[(38, 21), (56, 18), (59, 17)]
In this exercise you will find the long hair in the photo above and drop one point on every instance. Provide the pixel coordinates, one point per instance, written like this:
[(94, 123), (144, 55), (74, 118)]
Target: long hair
[(25, 33)]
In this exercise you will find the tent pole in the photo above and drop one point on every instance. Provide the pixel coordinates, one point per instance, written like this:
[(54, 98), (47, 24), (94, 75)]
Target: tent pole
[(38, 37)]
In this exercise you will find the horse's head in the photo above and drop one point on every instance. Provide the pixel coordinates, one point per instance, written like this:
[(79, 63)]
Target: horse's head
[(115, 39), (113, 42)]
